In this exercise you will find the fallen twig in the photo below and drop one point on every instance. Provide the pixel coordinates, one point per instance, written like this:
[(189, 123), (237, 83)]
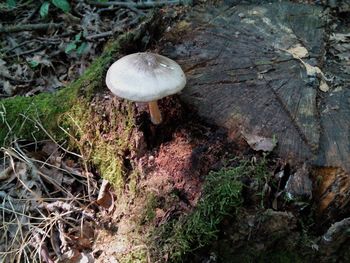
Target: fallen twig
[(100, 35), (29, 27), (27, 52), (141, 4), (67, 207), (7, 76), (6, 50)]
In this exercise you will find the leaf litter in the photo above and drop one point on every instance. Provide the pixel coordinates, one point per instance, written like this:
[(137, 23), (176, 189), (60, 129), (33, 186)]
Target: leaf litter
[(48, 45), (48, 212)]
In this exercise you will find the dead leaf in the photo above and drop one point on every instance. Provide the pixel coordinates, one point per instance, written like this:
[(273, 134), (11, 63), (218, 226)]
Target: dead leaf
[(323, 86), (81, 242), (8, 88), (86, 258), (105, 197), (6, 173), (50, 148), (71, 256), (52, 176), (40, 59), (29, 183), (312, 71), (339, 37), (3, 69), (298, 51), (159, 213), (259, 143)]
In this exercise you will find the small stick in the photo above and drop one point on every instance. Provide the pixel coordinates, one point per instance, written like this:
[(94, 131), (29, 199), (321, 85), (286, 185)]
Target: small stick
[(139, 4), (28, 27), (99, 35)]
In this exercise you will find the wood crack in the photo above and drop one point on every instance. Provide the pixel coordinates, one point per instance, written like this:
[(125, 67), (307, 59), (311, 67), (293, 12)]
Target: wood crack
[(286, 110)]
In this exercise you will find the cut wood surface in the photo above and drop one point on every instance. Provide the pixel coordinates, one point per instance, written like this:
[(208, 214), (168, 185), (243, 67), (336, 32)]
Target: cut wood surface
[(242, 75), (266, 70)]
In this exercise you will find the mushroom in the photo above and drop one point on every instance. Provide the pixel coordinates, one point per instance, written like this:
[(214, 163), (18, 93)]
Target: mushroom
[(145, 77)]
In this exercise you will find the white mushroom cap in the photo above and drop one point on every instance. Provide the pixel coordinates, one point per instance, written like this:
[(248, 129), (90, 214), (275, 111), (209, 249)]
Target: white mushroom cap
[(145, 77)]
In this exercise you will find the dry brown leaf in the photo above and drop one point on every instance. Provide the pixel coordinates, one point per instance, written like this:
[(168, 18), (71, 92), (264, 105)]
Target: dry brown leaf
[(259, 143), (105, 197), (50, 148), (86, 258), (81, 237), (71, 256), (8, 88), (41, 59), (52, 175), (6, 174), (300, 52)]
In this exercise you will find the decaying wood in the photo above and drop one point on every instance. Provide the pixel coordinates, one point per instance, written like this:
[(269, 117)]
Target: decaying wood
[(336, 241), (265, 70)]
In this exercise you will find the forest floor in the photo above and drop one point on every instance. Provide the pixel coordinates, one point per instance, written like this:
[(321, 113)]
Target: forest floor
[(190, 191)]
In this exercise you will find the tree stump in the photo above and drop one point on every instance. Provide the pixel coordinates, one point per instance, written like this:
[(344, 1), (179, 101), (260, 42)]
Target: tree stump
[(268, 70)]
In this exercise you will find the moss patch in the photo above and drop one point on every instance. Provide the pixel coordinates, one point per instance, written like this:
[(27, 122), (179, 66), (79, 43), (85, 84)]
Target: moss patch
[(149, 212), (18, 114), (102, 130), (221, 197)]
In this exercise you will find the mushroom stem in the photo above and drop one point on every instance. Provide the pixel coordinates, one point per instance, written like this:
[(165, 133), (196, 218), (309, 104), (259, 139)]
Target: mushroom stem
[(156, 116)]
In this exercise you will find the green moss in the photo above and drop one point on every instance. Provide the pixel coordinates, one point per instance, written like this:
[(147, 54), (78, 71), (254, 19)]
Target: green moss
[(102, 133), (93, 78), (132, 185), (109, 164), (221, 197), (71, 109), (21, 115), (46, 108), (149, 212), (137, 255)]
